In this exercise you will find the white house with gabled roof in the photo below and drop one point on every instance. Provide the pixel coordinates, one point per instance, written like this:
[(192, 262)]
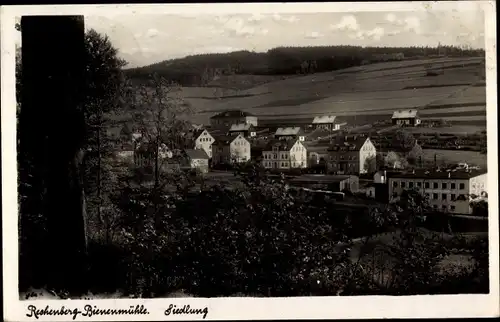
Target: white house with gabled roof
[(230, 149), (284, 154), (327, 122), (406, 117), (204, 140), (290, 133)]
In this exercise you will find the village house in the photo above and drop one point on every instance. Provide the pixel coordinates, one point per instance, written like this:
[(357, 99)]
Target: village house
[(349, 154), (247, 130), (197, 159), (229, 149), (204, 140), (406, 118), (284, 154), (285, 133), (327, 122), (227, 118), (447, 190)]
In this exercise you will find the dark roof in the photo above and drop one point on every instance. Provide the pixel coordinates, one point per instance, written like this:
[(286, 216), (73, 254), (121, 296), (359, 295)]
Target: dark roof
[(231, 113), (321, 148), (223, 139), (349, 143), (443, 174), (283, 145), (196, 154)]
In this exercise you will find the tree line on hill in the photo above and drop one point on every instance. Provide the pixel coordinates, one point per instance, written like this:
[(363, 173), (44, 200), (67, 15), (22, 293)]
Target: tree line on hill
[(198, 70), (146, 238)]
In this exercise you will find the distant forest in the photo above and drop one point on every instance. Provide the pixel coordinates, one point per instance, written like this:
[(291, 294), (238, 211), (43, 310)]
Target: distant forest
[(199, 70)]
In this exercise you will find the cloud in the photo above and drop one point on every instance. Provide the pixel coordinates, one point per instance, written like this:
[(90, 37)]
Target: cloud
[(290, 19), (409, 24), (347, 23), (151, 33), (393, 20), (375, 34), (255, 18), (236, 26), (313, 35)]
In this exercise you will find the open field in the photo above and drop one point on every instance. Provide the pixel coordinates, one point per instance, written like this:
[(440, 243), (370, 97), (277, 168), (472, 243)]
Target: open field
[(360, 95), (455, 156)]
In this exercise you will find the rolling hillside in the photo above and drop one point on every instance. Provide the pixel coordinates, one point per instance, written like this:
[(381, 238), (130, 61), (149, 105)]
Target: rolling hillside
[(360, 94)]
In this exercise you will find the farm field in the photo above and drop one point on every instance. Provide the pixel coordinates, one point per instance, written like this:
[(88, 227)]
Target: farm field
[(360, 95), (456, 129), (453, 156)]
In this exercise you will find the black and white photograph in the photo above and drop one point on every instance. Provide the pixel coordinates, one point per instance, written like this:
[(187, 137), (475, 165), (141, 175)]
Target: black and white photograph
[(174, 157)]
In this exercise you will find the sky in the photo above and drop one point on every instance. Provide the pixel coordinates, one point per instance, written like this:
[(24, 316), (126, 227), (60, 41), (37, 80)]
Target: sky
[(143, 39)]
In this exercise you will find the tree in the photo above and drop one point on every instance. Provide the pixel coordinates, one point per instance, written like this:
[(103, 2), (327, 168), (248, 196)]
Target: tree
[(88, 86), (162, 117), (404, 140), (415, 155), (372, 164), (394, 160), (50, 163)]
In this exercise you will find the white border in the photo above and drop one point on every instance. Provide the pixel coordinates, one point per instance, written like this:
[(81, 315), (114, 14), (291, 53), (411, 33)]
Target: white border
[(247, 308)]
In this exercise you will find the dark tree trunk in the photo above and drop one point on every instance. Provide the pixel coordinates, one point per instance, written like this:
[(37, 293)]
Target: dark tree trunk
[(51, 135)]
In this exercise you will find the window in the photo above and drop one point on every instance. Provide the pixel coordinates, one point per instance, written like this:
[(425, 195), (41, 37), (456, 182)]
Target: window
[(427, 195), (434, 196), (453, 186), (435, 185), (444, 207), (462, 186), (453, 197), (434, 206), (395, 184), (444, 185), (452, 208), (427, 185), (419, 184), (443, 196), (403, 184), (410, 184)]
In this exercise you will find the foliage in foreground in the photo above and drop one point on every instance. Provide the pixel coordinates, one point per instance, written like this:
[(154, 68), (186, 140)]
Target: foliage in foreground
[(264, 240)]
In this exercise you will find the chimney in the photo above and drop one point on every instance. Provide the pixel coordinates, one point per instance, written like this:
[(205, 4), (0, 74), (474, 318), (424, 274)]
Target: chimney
[(449, 175)]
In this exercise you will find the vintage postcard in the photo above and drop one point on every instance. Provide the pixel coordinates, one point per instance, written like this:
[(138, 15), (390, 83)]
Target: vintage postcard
[(258, 161)]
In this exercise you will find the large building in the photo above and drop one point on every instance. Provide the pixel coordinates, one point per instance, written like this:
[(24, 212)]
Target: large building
[(295, 133), (229, 149), (230, 117), (406, 118), (284, 154), (447, 190), (327, 122), (349, 155), (204, 140)]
